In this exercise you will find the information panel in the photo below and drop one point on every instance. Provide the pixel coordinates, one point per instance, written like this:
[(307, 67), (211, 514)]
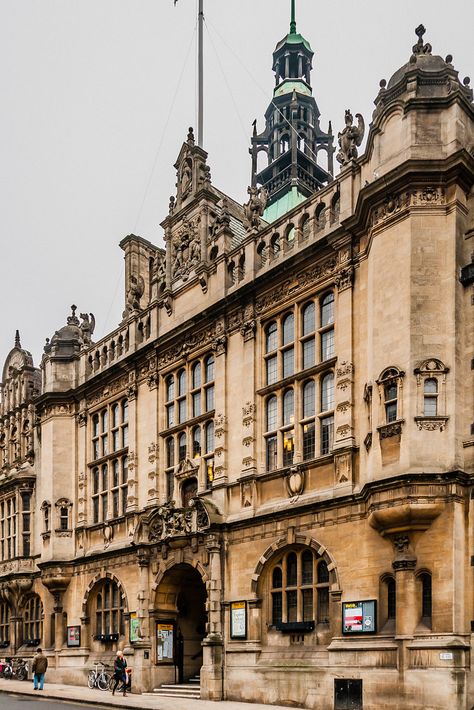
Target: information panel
[(73, 636), (238, 620), (165, 641), (359, 617), (134, 627)]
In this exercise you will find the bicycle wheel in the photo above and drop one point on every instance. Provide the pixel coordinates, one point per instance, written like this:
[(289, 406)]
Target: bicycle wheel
[(8, 673), (91, 679), (22, 673), (103, 681)]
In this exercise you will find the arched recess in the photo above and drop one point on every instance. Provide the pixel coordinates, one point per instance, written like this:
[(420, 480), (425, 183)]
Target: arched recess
[(186, 558), (100, 578), (282, 543)]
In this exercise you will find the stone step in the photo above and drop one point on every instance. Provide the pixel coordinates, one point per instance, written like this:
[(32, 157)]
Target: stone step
[(181, 686), (163, 694)]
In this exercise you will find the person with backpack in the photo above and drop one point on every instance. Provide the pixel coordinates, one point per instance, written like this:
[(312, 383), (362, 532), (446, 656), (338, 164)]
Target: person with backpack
[(40, 665)]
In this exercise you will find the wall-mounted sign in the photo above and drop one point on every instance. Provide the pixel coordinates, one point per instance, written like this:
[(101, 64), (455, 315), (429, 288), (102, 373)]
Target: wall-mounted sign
[(238, 620), (359, 617), (73, 636), (165, 641), (134, 627), (446, 656)]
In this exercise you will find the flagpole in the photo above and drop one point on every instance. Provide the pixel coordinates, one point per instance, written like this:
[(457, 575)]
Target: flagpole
[(201, 72)]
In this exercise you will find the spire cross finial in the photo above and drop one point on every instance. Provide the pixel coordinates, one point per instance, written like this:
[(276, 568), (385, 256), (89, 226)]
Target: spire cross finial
[(293, 18), (17, 339)]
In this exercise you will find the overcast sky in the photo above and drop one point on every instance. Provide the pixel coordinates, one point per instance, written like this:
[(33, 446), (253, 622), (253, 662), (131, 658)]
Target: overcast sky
[(93, 116)]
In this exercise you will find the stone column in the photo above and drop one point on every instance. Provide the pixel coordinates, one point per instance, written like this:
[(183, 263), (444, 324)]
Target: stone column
[(58, 622), (404, 566), (213, 644)]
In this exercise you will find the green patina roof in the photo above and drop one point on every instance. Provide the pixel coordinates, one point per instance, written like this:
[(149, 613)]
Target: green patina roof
[(287, 87), (294, 38), (283, 205)]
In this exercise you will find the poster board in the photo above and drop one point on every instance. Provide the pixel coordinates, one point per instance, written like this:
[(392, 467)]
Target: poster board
[(165, 637), (134, 627), (73, 636), (238, 620), (359, 617)]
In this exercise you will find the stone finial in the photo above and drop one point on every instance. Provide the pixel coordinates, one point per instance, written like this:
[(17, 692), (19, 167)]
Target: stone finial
[(420, 47), (73, 319), (191, 136), (17, 339)]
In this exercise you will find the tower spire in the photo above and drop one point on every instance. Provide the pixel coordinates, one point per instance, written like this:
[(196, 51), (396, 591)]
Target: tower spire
[(17, 339), (293, 18)]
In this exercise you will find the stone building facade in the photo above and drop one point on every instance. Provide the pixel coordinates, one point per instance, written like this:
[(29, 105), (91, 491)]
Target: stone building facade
[(264, 474)]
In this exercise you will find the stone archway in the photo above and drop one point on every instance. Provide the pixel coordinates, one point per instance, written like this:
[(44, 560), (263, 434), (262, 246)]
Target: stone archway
[(180, 606)]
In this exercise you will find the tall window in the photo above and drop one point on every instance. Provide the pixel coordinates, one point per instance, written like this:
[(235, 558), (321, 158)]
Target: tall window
[(33, 620), (109, 476), (4, 623), (299, 588), (389, 384), (189, 427), (426, 598), (326, 331), (26, 523), (8, 528), (391, 598), (109, 609), (430, 397)]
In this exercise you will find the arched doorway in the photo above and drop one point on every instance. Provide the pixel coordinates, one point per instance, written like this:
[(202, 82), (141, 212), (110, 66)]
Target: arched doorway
[(180, 623)]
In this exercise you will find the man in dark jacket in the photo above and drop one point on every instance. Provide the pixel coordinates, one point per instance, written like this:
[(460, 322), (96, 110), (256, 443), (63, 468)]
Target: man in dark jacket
[(40, 664)]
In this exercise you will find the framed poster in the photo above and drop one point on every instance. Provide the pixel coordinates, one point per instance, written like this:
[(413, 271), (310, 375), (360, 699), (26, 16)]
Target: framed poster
[(165, 641), (359, 617), (73, 636), (238, 620), (134, 627)]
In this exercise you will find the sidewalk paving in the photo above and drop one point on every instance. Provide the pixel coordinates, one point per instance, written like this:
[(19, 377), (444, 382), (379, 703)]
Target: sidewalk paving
[(86, 696)]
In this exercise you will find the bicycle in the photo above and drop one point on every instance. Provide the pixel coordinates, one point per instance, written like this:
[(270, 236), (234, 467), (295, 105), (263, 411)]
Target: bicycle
[(15, 668), (121, 687), (99, 679)]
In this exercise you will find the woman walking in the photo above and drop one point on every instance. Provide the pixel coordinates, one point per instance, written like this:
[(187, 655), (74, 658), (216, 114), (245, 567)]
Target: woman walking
[(120, 664)]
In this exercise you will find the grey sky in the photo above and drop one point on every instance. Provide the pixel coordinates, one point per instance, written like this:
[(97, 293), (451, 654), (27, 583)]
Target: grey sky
[(86, 92)]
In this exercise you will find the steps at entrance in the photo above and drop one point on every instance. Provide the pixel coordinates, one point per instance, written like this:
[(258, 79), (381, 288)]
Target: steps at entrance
[(191, 690)]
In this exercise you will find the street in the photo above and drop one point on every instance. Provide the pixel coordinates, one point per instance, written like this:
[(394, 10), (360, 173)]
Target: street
[(22, 702)]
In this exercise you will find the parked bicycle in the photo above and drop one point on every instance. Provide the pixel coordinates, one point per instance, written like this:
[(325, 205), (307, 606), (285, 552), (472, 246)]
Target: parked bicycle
[(15, 668), (99, 678)]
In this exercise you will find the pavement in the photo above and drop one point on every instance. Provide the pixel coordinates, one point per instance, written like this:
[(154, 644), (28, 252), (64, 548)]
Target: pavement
[(86, 696)]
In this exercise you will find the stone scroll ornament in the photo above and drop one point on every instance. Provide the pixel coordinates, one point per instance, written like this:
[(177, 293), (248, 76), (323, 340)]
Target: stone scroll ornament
[(350, 138), (177, 522)]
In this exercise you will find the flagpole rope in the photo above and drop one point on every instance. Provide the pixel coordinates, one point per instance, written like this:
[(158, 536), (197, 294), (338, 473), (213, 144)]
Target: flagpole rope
[(272, 103), (227, 83), (163, 134)]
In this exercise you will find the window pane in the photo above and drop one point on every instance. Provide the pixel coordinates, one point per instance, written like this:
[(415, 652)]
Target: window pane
[(105, 419), (210, 368), (309, 438), (288, 329), (124, 469), (430, 407), (210, 438), (196, 375), (391, 599), (271, 413), (323, 605), (115, 415), (288, 407), (95, 480), (95, 425), (391, 391), (308, 319), (307, 567), (288, 362), (307, 604), (115, 473), (182, 382), (277, 579), (291, 605), (323, 573), (309, 353), (276, 608), (182, 447), (210, 398), (169, 388), (196, 442), (426, 596), (169, 452), (327, 310), (125, 435), (431, 386), (327, 393), (170, 415), (308, 400), (125, 411), (196, 404), (327, 430), (115, 440), (327, 344), (291, 575), (271, 446), (182, 411), (288, 447), (271, 337), (391, 411), (272, 370)]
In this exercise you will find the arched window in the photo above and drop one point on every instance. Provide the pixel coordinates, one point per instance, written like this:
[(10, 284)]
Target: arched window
[(209, 438), (33, 621), (288, 329), (181, 383), (271, 337), (430, 398), (169, 452), (288, 407), (327, 326), (308, 341), (327, 310), (309, 424), (170, 388), (196, 375), (309, 321), (391, 598), (109, 610), (196, 442), (308, 399), (390, 394), (182, 446), (389, 383), (327, 392), (426, 598), (272, 413), (299, 588)]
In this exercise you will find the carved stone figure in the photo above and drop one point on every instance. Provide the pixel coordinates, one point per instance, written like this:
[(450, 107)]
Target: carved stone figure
[(186, 250), (350, 138), (87, 326), (135, 291), (255, 207), (175, 522)]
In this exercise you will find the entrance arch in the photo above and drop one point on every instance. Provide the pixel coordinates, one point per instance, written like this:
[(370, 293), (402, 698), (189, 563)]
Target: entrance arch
[(180, 610)]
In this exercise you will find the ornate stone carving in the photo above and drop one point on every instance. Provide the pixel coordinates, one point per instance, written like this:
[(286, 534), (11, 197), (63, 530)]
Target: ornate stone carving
[(82, 417), (431, 423), (392, 429), (220, 345), (248, 413), (420, 47), (152, 453), (295, 481), (368, 441), (110, 390), (343, 467), (171, 522), (185, 249), (343, 407), (246, 494), (108, 533), (220, 422), (350, 138), (135, 290), (255, 207), (345, 278), (190, 342)]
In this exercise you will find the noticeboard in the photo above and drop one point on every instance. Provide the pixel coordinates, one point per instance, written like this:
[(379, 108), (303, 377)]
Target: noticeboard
[(134, 627), (73, 636), (238, 620), (165, 641), (359, 617)]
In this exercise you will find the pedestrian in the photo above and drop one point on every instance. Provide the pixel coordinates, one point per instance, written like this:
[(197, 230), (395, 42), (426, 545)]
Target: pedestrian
[(120, 674), (40, 665)]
